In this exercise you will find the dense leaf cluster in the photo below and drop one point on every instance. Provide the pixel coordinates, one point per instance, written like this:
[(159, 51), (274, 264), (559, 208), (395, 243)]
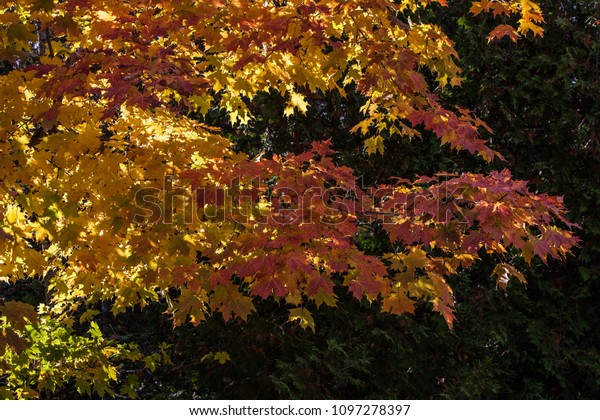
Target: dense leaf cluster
[(538, 341), (538, 98)]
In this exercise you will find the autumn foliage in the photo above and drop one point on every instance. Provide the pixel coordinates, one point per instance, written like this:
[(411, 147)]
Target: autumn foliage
[(114, 189)]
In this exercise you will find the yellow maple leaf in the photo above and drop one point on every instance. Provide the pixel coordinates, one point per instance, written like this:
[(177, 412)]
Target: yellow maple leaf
[(296, 101), (374, 144), (222, 357), (13, 214), (303, 316)]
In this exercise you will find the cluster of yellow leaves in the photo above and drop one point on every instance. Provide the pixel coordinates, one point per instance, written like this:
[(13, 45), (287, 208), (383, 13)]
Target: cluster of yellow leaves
[(187, 51)]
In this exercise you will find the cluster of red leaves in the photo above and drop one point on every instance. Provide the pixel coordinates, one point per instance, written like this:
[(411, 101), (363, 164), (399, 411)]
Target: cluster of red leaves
[(306, 233)]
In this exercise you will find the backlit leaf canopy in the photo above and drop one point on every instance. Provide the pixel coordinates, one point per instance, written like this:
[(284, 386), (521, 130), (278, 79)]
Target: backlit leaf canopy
[(112, 188)]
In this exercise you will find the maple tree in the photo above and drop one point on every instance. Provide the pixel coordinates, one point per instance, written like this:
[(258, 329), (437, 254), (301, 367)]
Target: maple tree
[(114, 189)]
